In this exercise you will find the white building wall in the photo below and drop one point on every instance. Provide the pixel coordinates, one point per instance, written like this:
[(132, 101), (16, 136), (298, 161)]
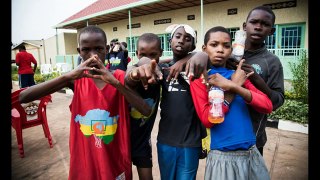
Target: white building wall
[(215, 14)]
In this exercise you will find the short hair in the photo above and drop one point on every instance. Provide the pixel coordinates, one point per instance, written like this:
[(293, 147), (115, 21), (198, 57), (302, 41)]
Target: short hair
[(148, 38), (124, 44), (215, 29), (92, 29), (22, 47), (113, 41), (264, 8)]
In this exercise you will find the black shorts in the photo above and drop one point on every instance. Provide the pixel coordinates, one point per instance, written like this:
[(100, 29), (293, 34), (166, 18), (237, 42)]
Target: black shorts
[(142, 162), (141, 147)]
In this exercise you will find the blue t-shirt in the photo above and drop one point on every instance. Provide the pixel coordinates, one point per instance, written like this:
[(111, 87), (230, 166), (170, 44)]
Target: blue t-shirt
[(236, 132)]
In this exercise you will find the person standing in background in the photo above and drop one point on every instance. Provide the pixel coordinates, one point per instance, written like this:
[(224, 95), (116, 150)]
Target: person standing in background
[(118, 57), (125, 45), (25, 71)]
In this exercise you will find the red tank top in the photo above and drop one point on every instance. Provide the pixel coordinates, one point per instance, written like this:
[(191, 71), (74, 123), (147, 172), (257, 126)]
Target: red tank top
[(99, 132)]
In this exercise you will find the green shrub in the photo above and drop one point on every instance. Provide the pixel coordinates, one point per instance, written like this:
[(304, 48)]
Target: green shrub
[(38, 78), (37, 70), (292, 110), (300, 77), (50, 76), (290, 95), (14, 69), (295, 107), (14, 77)]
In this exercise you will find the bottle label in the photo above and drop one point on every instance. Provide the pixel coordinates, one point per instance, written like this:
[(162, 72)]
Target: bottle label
[(216, 95), (216, 98)]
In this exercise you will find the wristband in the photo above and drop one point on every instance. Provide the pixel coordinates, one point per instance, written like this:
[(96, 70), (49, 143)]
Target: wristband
[(226, 103)]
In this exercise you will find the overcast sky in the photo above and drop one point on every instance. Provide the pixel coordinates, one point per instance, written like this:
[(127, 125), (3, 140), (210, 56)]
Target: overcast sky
[(34, 19)]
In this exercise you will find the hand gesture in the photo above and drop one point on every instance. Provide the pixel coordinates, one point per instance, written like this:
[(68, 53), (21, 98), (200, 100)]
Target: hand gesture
[(240, 75), (148, 72), (220, 81), (197, 66), (99, 71), (174, 70), (80, 70)]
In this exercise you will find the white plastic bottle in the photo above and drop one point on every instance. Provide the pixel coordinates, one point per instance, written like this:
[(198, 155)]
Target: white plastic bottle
[(239, 45), (216, 98)]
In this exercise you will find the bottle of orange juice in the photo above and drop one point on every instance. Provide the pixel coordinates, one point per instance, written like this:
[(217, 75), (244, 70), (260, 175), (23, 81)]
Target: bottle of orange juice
[(216, 98)]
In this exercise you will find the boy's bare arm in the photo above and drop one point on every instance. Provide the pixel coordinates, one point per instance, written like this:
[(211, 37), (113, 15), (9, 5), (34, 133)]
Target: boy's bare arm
[(197, 66), (51, 86), (44, 88)]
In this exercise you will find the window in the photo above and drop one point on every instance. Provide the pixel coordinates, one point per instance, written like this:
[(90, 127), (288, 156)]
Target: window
[(291, 38), (169, 44), (233, 32), (270, 41), (165, 44), (132, 48)]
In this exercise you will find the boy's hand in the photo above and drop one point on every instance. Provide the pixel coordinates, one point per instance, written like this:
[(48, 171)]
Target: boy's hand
[(79, 71), (102, 72), (220, 81), (240, 75), (175, 70), (231, 64), (197, 66), (148, 73)]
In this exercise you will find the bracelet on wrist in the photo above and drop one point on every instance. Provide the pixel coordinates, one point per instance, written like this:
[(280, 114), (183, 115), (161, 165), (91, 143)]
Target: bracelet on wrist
[(226, 103)]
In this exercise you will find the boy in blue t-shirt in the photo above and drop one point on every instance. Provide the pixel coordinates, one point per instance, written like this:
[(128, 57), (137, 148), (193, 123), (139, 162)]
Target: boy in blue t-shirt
[(233, 154)]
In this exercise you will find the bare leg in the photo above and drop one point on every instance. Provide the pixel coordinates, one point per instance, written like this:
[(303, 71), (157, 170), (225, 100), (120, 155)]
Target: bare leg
[(145, 173)]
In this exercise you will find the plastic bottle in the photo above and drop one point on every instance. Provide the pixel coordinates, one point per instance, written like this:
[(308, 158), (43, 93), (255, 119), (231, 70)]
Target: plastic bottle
[(216, 98), (239, 45)]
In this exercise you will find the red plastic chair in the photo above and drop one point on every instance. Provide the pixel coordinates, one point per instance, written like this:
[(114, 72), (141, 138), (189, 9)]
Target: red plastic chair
[(20, 120)]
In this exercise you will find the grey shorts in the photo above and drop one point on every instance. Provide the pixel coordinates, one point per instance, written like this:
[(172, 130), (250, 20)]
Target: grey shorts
[(236, 165)]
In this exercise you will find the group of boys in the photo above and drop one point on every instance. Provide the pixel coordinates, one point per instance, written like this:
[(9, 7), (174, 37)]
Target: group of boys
[(104, 142)]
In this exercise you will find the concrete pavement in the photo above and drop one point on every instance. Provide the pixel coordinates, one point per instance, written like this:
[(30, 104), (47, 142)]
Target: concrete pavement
[(286, 152)]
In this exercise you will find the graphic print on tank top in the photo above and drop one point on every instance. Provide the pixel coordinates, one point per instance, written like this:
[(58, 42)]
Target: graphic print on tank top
[(135, 114), (181, 84), (98, 122)]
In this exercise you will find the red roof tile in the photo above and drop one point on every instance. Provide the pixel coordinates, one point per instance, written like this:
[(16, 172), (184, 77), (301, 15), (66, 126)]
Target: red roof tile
[(100, 5)]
